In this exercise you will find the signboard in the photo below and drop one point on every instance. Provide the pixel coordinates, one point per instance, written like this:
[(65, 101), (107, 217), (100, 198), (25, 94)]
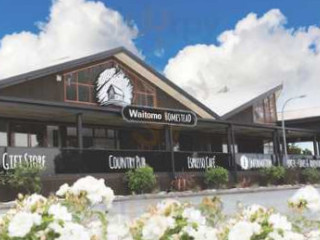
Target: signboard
[(11, 157), (104, 161), (159, 115), (301, 161), (247, 161), (200, 161)]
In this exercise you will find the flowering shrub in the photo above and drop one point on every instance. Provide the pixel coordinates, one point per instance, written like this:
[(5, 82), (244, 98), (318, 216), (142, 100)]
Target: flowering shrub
[(311, 175), (141, 180), (216, 177), (72, 215), (24, 177), (69, 215), (273, 175)]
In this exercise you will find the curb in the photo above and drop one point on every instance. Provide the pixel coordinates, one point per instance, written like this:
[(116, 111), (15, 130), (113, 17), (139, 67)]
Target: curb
[(211, 192)]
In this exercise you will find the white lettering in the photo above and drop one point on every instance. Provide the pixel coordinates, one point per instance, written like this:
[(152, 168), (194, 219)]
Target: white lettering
[(116, 162), (11, 161), (201, 162), (133, 113)]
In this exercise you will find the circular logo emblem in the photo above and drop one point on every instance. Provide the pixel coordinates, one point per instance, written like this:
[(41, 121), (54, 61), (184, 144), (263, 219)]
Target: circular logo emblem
[(244, 162)]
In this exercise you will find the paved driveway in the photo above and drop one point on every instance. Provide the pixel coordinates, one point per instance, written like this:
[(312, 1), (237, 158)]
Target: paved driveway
[(277, 199)]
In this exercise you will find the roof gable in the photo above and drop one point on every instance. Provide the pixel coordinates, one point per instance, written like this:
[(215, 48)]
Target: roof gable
[(133, 62), (252, 102)]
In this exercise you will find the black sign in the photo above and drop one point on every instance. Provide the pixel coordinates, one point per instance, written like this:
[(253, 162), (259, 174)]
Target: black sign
[(103, 161), (200, 161), (298, 161), (159, 115), (11, 157), (249, 161)]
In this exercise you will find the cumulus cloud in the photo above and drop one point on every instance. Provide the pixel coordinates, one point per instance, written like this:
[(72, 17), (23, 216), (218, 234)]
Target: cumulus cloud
[(256, 55), (74, 28)]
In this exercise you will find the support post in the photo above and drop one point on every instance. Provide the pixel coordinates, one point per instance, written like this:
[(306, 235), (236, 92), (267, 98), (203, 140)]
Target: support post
[(169, 147), (315, 146), (231, 148), (79, 131), (9, 136), (276, 147), (233, 140)]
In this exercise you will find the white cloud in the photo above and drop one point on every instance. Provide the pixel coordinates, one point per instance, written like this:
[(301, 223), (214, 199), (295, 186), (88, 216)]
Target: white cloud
[(259, 53), (74, 28), (159, 52)]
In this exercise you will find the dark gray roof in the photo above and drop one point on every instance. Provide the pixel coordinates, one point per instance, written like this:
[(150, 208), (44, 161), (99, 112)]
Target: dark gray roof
[(56, 68), (95, 58), (251, 102)]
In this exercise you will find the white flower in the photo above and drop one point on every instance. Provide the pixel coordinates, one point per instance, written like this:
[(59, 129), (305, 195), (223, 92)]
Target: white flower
[(97, 191), (313, 235), (308, 194), (167, 205), (56, 227), (31, 201), (244, 229), (60, 212), (63, 190), (193, 216), (201, 233), (73, 231), (287, 235), (156, 226), (280, 222), (108, 195), (118, 229), (253, 210), (21, 224), (95, 230)]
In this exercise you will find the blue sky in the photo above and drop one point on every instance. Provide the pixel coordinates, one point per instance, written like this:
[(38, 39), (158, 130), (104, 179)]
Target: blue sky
[(169, 25)]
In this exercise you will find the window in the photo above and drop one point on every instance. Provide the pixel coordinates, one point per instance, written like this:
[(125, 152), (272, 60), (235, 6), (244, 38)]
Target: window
[(273, 108), (28, 135), (258, 113), (3, 134), (143, 99), (79, 86), (105, 138), (71, 137), (265, 111), (142, 139), (53, 136), (93, 138)]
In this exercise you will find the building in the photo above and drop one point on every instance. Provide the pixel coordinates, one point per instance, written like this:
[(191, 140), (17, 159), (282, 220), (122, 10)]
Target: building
[(71, 118)]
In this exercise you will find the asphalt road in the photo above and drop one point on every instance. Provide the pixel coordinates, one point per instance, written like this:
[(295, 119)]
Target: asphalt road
[(277, 199)]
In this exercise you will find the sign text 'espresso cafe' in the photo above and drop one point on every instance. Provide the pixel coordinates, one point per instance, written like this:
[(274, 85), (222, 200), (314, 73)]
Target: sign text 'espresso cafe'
[(159, 115)]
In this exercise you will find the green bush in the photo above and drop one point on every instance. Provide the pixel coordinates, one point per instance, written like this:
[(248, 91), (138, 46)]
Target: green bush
[(292, 176), (216, 177), (141, 180), (24, 178), (311, 175), (273, 175)]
